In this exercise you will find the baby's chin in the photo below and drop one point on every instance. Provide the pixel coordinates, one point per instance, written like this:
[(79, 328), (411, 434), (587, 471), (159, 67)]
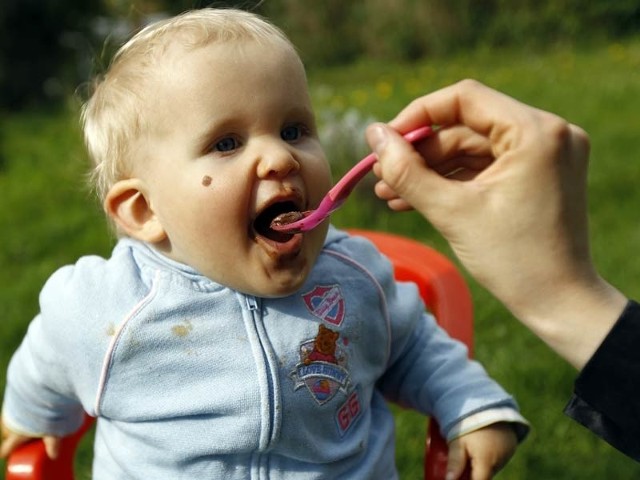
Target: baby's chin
[(288, 275), (276, 287)]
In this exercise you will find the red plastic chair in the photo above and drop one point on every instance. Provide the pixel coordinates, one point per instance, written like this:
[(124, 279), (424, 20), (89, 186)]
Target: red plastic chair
[(441, 287)]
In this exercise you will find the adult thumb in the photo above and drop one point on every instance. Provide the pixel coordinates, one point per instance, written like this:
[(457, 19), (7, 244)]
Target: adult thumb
[(401, 167)]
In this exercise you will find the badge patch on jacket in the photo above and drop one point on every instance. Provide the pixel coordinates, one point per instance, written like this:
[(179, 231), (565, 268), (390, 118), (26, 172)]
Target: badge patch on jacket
[(326, 302), (323, 366)]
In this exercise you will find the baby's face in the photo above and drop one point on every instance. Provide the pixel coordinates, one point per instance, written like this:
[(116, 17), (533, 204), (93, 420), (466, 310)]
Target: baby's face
[(232, 143)]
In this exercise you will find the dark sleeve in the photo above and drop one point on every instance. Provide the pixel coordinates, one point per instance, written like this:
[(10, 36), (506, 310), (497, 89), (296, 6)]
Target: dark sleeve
[(606, 396)]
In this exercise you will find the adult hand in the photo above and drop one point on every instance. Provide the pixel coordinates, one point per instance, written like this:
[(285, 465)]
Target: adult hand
[(505, 183)]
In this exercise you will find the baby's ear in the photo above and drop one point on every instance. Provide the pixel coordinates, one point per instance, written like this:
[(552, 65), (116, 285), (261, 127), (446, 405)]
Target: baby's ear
[(126, 203)]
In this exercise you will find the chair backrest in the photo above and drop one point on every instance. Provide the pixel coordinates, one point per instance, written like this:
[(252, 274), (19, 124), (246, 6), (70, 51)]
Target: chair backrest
[(443, 290)]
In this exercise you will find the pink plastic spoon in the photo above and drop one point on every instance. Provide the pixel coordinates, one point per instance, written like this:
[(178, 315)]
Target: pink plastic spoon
[(295, 222)]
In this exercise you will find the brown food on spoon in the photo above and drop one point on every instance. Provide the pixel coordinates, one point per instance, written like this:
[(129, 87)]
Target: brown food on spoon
[(286, 218)]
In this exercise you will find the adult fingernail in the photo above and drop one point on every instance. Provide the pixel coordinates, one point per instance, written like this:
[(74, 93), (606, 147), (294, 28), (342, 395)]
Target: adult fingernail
[(377, 136)]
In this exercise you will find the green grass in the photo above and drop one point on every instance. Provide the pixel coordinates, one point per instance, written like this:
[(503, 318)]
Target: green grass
[(48, 218)]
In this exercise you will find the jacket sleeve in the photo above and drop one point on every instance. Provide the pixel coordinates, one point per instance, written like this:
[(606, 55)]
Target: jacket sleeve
[(431, 372), (606, 398), (39, 398)]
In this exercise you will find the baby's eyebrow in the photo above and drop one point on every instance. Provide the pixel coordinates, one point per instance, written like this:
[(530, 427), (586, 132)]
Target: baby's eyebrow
[(207, 129), (304, 113), (203, 137)]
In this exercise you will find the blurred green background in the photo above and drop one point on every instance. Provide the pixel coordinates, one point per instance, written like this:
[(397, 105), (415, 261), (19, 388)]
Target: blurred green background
[(366, 60)]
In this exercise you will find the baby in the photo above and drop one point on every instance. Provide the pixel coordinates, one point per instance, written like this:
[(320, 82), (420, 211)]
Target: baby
[(209, 345)]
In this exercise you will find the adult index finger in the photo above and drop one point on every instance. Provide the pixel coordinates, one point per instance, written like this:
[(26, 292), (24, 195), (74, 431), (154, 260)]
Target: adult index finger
[(467, 102)]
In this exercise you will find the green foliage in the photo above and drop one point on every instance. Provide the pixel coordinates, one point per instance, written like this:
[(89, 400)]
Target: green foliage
[(42, 43), (48, 219), (332, 31), (49, 47)]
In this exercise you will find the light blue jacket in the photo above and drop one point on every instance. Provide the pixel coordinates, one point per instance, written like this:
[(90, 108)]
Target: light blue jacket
[(192, 380)]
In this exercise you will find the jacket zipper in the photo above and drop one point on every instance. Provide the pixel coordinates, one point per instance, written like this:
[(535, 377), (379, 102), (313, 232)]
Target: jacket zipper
[(269, 371), (252, 303)]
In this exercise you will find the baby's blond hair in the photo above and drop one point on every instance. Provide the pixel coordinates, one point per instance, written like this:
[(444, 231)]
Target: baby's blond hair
[(113, 118)]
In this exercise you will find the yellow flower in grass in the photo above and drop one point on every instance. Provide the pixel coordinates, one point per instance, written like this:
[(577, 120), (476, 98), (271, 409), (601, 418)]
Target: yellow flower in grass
[(384, 89), (359, 98), (618, 52), (338, 102), (414, 87)]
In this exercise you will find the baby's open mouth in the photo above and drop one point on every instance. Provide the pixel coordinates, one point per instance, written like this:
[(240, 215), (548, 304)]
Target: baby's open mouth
[(280, 212)]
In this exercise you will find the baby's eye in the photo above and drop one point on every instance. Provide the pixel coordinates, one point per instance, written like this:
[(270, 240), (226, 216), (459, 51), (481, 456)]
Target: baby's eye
[(226, 144), (291, 133)]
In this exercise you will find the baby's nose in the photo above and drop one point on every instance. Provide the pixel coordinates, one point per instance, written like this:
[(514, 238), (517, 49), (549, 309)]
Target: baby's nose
[(277, 162)]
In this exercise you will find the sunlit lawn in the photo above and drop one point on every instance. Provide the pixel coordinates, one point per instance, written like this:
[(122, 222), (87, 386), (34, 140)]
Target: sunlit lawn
[(48, 218)]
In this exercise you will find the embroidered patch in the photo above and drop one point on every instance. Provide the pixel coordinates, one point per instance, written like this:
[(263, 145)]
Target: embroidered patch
[(349, 412), (326, 302), (323, 366)]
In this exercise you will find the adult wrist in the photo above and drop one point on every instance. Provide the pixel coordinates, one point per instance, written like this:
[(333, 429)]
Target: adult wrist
[(576, 320)]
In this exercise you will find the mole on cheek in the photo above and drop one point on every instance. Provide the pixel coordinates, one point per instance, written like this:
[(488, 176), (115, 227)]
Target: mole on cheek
[(206, 180)]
